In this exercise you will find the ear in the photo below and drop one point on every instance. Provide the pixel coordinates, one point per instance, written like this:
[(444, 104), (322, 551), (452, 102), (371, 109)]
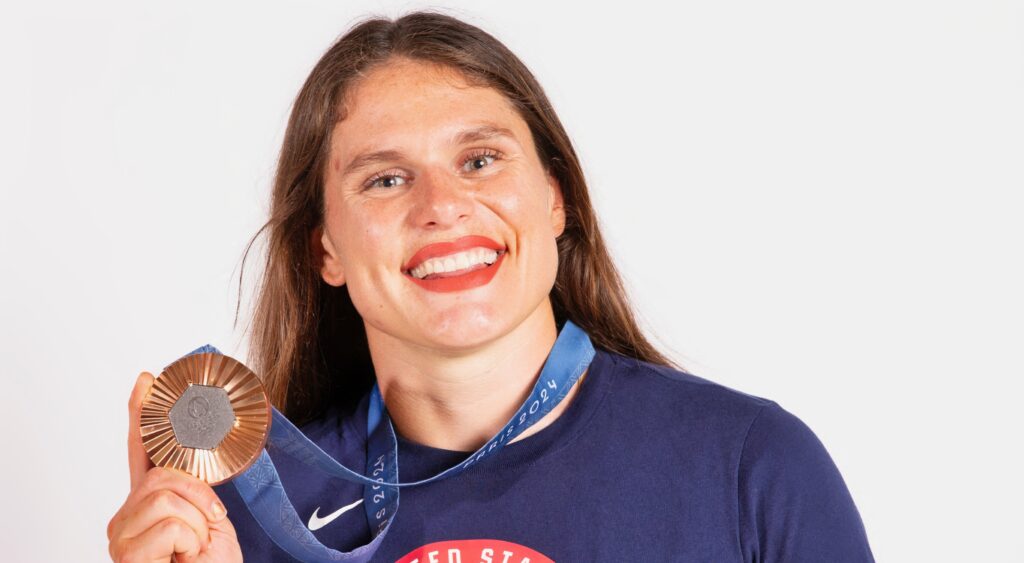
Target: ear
[(327, 257), (557, 205)]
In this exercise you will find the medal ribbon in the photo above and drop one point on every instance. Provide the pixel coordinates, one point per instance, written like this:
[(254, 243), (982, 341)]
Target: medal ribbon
[(261, 489)]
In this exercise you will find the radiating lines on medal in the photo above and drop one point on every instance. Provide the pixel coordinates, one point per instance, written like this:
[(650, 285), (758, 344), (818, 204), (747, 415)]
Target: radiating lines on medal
[(206, 414)]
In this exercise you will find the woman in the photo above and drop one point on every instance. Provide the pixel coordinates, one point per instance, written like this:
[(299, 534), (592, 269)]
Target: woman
[(431, 233)]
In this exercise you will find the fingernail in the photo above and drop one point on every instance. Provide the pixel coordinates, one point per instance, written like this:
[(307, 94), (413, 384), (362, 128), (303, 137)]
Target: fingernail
[(218, 510)]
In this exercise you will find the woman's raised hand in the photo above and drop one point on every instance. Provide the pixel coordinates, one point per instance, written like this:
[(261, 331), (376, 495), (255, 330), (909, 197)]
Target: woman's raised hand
[(169, 514)]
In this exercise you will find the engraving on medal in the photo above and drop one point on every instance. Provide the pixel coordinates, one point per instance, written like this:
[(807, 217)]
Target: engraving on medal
[(202, 417), (198, 407)]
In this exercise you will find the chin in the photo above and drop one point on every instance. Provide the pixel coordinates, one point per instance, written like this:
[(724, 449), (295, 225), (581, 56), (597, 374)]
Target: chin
[(466, 327)]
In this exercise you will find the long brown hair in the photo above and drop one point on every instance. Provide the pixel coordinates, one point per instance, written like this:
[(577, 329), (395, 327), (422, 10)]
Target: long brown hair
[(308, 342)]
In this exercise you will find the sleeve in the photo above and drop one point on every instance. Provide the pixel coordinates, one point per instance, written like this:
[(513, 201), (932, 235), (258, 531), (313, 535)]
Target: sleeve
[(794, 506)]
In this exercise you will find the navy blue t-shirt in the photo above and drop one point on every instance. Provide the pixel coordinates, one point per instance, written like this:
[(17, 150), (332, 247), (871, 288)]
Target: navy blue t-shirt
[(646, 464)]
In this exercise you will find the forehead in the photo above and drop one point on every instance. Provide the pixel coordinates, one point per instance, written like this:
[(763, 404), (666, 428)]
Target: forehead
[(404, 100)]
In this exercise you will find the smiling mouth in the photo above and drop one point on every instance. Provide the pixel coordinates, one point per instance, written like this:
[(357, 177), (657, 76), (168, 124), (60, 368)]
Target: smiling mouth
[(456, 264), (464, 263)]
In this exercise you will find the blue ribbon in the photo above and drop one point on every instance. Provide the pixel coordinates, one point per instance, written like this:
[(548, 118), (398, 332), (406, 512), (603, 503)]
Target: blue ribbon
[(260, 486)]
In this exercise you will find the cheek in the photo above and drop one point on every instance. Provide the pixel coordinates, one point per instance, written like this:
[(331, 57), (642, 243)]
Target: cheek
[(362, 259), (365, 243), (525, 206)]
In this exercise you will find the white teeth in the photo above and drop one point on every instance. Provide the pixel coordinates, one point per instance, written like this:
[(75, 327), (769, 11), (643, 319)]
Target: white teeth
[(455, 262)]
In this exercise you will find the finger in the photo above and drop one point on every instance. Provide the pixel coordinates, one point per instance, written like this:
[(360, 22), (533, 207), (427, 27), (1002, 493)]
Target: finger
[(223, 529), (223, 546), (159, 506), (138, 459), (197, 492), (224, 542), (158, 543)]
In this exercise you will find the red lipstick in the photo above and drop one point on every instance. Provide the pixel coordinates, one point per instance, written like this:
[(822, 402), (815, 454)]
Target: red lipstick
[(470, 279)]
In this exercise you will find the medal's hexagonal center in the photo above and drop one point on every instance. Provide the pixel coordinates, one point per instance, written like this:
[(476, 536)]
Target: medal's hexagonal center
[(202, 417)]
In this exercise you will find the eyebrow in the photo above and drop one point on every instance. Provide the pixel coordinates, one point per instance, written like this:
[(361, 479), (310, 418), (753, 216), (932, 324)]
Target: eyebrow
[(475, 134)]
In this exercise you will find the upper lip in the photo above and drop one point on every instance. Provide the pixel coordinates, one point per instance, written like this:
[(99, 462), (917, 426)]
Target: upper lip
[(445, 248)]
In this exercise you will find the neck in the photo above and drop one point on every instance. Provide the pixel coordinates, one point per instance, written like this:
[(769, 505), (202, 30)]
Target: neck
[(459, 401)]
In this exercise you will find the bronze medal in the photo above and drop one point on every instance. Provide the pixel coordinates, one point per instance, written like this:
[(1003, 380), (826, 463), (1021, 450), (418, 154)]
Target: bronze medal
[(207, 415)]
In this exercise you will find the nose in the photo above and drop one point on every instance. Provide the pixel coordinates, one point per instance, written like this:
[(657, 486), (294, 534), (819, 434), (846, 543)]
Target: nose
[(442, 201)]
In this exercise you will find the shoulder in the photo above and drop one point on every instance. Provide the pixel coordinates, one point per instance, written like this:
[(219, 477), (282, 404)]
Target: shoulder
[(758, 433), (681, 382), (682, 399), (792, 502)]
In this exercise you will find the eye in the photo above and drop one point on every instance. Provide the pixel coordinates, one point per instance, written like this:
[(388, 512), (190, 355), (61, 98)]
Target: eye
[(480, 159), (386, 179)]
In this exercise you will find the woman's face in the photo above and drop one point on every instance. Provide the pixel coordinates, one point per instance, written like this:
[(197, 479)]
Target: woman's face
[(439, 216)]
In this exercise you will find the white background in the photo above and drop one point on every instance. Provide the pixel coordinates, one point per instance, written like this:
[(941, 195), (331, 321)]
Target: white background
[(814, 202)]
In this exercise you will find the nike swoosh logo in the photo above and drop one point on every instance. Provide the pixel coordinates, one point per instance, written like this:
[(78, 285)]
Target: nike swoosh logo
[(315, 522)]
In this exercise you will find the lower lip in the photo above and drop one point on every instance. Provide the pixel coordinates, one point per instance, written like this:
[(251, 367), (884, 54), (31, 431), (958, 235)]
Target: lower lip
[(468, 280)]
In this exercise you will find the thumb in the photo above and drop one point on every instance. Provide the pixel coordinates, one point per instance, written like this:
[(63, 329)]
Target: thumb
[(138, 460)]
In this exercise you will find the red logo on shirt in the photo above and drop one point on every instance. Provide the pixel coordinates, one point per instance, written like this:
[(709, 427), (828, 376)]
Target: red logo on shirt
[(474, 551)]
